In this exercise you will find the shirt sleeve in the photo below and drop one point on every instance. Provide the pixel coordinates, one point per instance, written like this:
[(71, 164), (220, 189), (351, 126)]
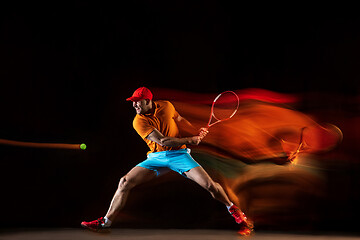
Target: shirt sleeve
[(176, 114), (173, 110), (142, 127)]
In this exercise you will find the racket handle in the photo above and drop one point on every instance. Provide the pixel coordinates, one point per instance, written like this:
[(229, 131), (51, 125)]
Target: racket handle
[(203, 132)]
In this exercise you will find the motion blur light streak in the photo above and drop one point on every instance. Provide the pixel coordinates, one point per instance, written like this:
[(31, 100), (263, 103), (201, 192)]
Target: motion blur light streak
[(263, 128), (243, 94), (260, 131), (241, 152), (81, 146)]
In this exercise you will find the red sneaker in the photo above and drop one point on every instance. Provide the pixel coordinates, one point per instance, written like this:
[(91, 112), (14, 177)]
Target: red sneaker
[(244, 231), (96, 225), (246, 226)]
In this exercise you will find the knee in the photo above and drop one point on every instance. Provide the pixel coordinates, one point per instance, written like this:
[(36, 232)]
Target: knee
[(212, 187), (125, 184)]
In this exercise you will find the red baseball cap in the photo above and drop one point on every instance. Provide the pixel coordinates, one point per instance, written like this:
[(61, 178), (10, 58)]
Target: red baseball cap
[(139, 94)]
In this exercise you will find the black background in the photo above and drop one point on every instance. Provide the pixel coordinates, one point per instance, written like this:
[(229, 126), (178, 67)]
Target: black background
[(66, 70)]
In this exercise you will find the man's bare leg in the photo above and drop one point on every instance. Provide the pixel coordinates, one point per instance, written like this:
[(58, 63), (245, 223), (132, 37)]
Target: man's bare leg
[(200, 176), (134, 177)]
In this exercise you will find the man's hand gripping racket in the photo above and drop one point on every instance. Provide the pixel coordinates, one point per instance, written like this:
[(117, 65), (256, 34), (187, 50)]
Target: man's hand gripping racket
[(224, 107)]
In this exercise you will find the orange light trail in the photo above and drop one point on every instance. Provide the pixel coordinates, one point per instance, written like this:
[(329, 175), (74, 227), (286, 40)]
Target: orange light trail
[(263, 127), (43, 145)]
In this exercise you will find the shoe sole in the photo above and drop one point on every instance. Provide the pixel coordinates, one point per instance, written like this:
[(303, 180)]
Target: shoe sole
[(247, 228), (97, 230), (245, 232)]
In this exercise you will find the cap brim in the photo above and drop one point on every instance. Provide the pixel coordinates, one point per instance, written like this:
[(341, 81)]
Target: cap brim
[(134, 99)]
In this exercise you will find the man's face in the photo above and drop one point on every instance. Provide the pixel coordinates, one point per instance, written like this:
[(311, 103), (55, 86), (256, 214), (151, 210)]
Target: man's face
[(142, 106)]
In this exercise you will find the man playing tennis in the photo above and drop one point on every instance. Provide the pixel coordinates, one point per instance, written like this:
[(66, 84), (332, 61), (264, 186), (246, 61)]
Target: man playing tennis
[(156, 122)]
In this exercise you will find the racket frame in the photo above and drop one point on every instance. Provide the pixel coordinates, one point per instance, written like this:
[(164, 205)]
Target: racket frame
[(212, 109)]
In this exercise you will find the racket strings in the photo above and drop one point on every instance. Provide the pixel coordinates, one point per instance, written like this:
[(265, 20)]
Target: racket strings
[(225, 106)]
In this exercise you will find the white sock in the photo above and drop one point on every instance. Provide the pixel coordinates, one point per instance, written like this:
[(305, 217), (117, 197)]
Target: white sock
[(228, 207), (107, 222)]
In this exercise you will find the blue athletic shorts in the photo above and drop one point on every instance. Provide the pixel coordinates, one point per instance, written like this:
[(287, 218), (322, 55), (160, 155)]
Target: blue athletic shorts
[(177, 160)]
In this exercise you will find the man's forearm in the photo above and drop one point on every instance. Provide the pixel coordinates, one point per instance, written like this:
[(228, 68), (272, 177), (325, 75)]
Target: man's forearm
[(175, 142)]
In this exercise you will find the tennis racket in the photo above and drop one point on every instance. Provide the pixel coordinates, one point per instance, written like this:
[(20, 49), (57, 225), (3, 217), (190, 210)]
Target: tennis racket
[(224, 107), (293, 155)]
